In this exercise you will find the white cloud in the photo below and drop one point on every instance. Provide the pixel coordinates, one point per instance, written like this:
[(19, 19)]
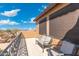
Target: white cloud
[(30, 28), (42, 8), (31, 20), (11, 13), (8, 22), (24, 21)]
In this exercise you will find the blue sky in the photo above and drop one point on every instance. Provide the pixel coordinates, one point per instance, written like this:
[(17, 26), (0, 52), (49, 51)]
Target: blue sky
[(20, 15)]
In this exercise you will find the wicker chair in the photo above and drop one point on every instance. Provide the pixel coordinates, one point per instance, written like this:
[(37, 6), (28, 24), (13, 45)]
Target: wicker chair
[(44, 42)]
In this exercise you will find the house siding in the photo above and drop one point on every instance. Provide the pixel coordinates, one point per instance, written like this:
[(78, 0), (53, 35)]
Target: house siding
[(61, 25)]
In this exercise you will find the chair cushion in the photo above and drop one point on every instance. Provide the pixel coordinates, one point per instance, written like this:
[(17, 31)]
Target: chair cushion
[(44, 40), (47, 40), (41, 39), (55, 42), (67, 47)]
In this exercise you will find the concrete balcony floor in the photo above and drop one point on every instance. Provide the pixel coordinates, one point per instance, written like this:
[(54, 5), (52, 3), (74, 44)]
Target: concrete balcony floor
[(33, 48)]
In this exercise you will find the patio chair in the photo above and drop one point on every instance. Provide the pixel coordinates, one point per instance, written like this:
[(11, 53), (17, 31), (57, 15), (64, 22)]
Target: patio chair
[(44, 41), (65, 49), (52, 52), (54, 49)]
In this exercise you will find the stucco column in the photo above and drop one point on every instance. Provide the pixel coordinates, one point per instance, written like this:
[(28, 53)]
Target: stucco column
[(38, 28), (48, 26)]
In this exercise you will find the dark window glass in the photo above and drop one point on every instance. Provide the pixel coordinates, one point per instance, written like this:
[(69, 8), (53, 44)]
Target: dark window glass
[(43, 20), (43, 27)]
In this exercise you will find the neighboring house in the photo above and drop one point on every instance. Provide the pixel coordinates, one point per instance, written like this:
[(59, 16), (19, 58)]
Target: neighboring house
[(60, 20)]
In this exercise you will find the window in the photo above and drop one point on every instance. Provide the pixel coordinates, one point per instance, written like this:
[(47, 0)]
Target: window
[(43, 27), (43, 20)]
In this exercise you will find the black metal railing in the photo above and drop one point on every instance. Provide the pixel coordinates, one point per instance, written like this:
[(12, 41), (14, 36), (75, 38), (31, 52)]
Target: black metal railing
[(16, 48)]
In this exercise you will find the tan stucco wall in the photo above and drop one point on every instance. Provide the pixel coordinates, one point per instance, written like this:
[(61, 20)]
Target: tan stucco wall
[(48, 31), (31, 33), (37, 28), (62, 24)]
